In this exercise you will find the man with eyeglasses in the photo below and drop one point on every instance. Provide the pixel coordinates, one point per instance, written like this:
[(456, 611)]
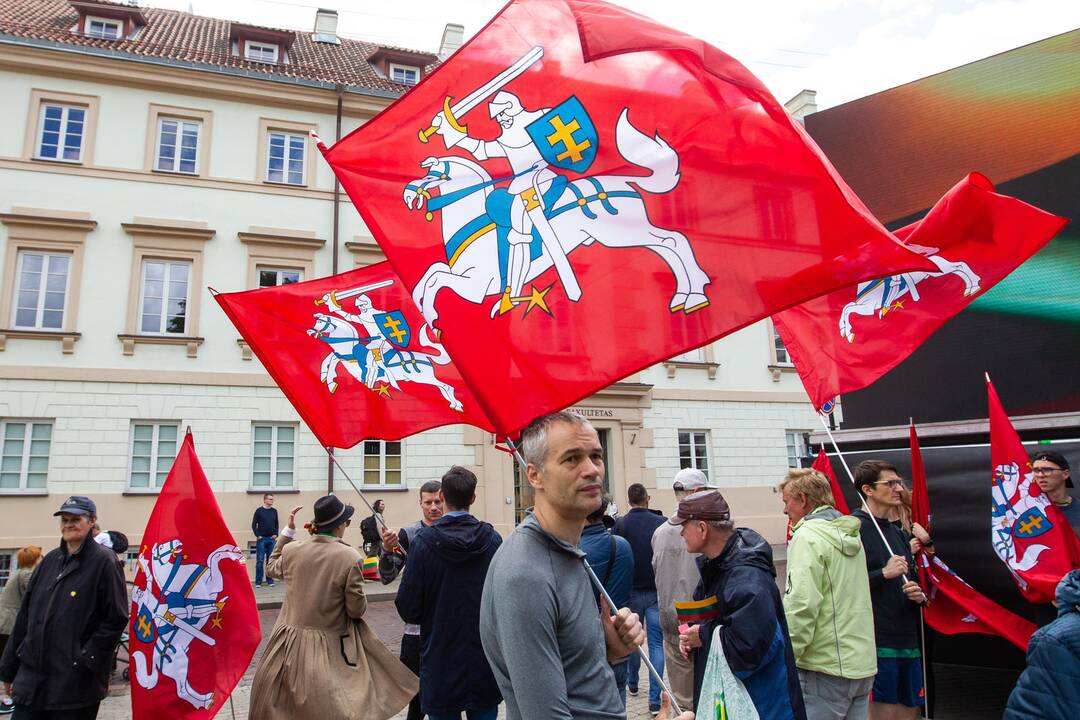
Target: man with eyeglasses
[(1051, 471), (895, 596)]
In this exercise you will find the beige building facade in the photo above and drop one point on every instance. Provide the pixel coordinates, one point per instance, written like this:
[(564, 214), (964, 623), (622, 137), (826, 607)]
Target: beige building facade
[(133, 180)]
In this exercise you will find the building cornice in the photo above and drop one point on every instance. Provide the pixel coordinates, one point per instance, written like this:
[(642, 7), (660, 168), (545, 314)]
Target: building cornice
[(43, 57)]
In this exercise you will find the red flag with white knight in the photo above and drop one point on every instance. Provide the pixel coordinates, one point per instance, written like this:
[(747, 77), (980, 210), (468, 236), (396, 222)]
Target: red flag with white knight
[(975, 237), (194, 624), (354, 356), (1029, 533), (590, 193), (955, 607)]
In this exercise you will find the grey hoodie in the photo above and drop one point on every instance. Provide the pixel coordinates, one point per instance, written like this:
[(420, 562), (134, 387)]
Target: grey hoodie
[(541, 631)]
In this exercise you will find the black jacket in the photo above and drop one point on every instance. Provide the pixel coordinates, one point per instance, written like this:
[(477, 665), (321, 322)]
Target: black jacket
[(638, 526), (896, 619), (61, 649), (753, 628), (441, 590)]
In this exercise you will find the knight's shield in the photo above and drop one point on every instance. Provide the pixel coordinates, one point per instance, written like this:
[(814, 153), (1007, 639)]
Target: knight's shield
[(145, 629), (394, 327), (566, 136), (1032, 523)]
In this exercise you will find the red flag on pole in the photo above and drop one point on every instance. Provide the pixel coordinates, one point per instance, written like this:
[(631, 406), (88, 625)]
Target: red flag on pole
[(1029, 534), (847, 339), (194, 624), (354, 356), (590, 193), (955, 607), (822, 465)]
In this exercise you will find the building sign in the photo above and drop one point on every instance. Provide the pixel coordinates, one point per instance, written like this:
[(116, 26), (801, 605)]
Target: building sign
[(593, 413)]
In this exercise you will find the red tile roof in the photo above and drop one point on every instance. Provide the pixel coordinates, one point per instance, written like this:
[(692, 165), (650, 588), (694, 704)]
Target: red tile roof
[(188, 38)]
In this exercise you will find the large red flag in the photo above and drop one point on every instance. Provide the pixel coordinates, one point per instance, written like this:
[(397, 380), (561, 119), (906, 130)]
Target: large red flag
[(354, 356), (1029, 533), (822, 465), (955, 607), (591, 192), (194, 625), (847, 339)]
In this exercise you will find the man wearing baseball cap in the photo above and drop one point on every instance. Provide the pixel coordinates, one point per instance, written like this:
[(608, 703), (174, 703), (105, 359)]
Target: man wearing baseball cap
[(739, 601), (59, 657), (677, 577)]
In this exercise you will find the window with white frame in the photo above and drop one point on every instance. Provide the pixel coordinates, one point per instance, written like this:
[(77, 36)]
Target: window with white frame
[(42, 290), (697, 355), (782, 356), (273, 453), (103, 28), (260, 51), (272, 277), (61, 131), (164, 297), (382, 463), (797, 447), (404, 74), (178, 145), (7, 566), (694, 450), (153, 449), (24, 455), (285, 157)]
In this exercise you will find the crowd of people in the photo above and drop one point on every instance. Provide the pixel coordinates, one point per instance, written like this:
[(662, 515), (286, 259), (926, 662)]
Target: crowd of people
[(521, 621)]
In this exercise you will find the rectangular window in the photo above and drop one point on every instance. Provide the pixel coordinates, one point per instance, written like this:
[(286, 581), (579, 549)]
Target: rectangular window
[(163, 306), (61, 132), (382, 463), (178, 146), (103, 28), (24, 456), (7, 566), (694, 450), (404, 74), (260, 52), (285, 158), (782, 356), (273, 453), (272, 277), (153, 449), (797, 444), (697, 355), (42, 290)]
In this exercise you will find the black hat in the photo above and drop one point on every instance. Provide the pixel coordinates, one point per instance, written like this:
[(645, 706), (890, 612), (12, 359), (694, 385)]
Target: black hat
[(331, 512), (77, 505), (1056, 458)]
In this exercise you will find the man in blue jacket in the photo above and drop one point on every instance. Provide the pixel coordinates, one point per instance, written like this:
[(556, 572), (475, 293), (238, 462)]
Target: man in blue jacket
[(738, 576), (1049, 689), (440, 590)]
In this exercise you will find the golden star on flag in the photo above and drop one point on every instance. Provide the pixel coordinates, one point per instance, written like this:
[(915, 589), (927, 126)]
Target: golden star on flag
[(215, 621), (383, 390), (536, 299)]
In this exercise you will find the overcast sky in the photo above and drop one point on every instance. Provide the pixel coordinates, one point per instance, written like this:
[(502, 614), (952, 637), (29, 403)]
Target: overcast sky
[(844, 49)]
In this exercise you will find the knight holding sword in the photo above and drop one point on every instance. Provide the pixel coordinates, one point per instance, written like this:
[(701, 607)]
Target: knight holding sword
[(532, 176)]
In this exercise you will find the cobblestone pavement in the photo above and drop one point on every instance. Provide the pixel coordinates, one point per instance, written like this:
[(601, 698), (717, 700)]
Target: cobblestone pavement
[(964, 693)]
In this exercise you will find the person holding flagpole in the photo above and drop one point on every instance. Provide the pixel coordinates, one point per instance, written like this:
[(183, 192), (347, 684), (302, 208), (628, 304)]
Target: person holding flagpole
[(322, 660)]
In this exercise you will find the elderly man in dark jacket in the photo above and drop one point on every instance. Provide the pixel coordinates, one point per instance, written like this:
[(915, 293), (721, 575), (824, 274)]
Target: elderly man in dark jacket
[(739, 581), (440, 590), (1049, 689), (59, 657)]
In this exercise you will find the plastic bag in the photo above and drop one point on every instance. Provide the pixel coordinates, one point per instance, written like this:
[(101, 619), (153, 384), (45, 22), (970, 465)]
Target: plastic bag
[(723, 696)]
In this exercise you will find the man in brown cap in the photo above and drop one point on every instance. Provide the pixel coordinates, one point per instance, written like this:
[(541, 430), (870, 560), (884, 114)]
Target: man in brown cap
[(738, 601)]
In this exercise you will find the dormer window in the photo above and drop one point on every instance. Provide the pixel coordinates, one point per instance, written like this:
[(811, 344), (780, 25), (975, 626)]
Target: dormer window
[(260, 52), (404, 74), (104, 28)]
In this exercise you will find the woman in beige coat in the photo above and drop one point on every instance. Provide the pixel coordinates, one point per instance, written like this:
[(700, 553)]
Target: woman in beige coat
[(322, 661)]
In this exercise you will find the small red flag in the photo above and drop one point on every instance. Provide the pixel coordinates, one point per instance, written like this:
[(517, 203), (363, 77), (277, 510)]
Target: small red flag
[(822, 465), (194, 624), (955, 607), (354, 356), (847, 339), (590, 193), (1030, 535)]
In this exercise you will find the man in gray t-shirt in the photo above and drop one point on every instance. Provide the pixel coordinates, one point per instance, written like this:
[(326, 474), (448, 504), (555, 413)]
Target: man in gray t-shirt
[(548, 644)]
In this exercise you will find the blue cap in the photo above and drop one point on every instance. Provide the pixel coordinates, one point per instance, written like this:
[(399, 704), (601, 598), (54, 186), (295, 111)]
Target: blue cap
[(77, 505)]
